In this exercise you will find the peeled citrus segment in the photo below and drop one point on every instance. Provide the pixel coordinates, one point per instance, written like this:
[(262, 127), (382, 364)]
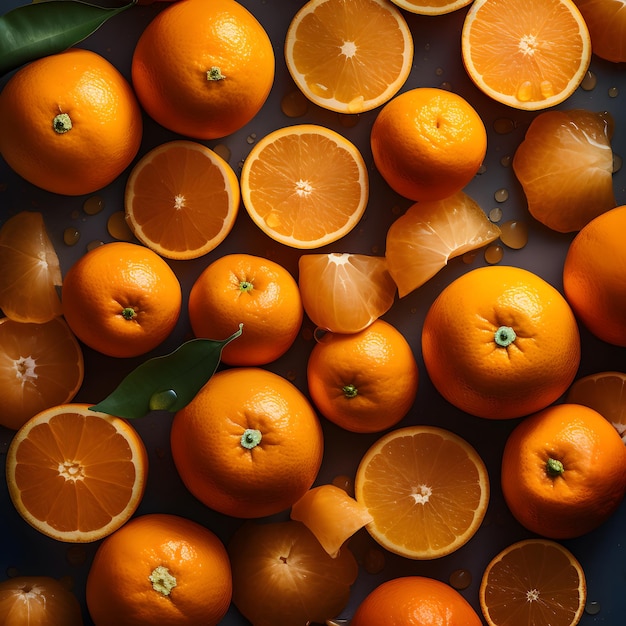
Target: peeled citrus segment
[(76, 475), (305, 186), (182, 199), (606, 21), (534, 581), (349, 56), (427, 490), (331, 515), (565, 167), (429, 234), (345, 293), (30, 270), (431, 7), (527, 54)]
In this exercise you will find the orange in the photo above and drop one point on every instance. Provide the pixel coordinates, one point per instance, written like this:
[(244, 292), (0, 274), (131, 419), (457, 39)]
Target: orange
[(415, 601), (249, 444), (428, 143), (606, 21), (426, 488), (334, 50), (605, 392), (431, 7), (565, 167), (160, 569), (37, 601), (75, 124), (500, 342), (121, 299), (594, 275), (527, 54), (533, 581), (305, 186), (30, 272), (203, 70), (74, 474), (423, 240), (343, 292), (563, 471), (41, 365), (253, 291), (364, 382), (181, 199), (282, 575)]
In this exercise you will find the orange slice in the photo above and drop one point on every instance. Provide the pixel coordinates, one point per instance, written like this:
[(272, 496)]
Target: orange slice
[(527, 54), (182, 199), (427, 490), (431, 7), (41, 365), (343, 292), (30, 270), (534, 581), (305, 186), (423, 240), (335, 51), (74, 474)]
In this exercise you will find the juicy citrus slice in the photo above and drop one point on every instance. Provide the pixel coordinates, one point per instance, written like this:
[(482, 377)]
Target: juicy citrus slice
[(431, 7), (305, 186), (30, 270), (429, 234), (605, 392), (527, 54), (426, 488), (534, 581), (361, 60), (343, 292), (182, 199), (74, 474), (606, 21), (41, 365)]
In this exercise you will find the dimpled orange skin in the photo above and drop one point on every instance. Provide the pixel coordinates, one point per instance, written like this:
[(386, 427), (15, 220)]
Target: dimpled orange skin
[(106, 124), (480, 377), (184, 42), (593, 480)]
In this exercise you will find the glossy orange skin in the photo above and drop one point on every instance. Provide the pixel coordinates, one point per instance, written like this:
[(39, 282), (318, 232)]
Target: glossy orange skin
[(106, 124), (607, 27)]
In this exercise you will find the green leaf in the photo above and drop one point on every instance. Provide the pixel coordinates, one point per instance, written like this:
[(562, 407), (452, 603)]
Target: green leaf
[(34, 31), (167, 382)]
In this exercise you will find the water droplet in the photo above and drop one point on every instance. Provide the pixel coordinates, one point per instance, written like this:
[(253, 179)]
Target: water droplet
[(118, 227), (514, 234), (344, 482), (251, 138), (439, 71), (294, 104), (494, 254), (592, 608), (504, 126), (96, 243), (374, 561), (468, 257), (495, 215), (502, 195), (70, 236), (222, 150), (617, 163), (93, 205), (460, 579), (446, 85), (589, 81), (613, 92), (482, 169)]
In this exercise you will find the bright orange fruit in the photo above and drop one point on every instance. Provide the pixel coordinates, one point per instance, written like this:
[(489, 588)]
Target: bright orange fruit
[(606, 21)]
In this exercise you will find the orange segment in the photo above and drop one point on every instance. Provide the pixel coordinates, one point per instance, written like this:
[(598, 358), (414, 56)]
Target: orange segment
[(182, 199), (305, 186), (606, 20), (534, 581), (431, 7), (427, 490), (74, 474), (527, 54), (335, 51)]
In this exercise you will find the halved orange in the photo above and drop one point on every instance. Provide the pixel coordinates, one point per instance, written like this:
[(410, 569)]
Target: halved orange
[(534, 581), (431, 7), (527, 54), (426, 488), (182, 199), (74, 474), (305, 185), (349, 56)]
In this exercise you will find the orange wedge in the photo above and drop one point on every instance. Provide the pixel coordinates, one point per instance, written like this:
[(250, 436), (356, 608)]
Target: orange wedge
[(305, 186), (527, 54), (335, 50), (182, 199), (431, 7), (429, 234)]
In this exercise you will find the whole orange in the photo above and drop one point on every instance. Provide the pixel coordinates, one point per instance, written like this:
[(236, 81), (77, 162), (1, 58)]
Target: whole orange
[(428, 143), (121, 299), (364, 382), (159, 569), (594, 276), (563, 471), (72, 122), (415, 601), (500, 342), (203, 69), (253, 291), (249, 444)]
